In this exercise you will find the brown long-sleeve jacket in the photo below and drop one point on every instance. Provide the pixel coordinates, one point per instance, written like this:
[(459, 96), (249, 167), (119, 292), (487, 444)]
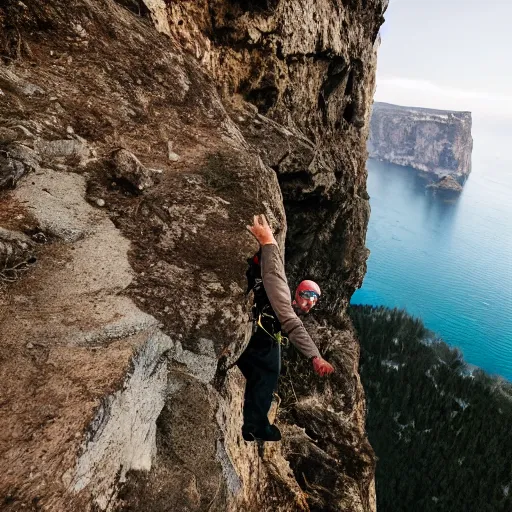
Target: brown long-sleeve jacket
[(278, 293)]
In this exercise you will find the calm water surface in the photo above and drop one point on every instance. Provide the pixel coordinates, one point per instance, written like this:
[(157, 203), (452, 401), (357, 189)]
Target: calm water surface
[(448, 262)]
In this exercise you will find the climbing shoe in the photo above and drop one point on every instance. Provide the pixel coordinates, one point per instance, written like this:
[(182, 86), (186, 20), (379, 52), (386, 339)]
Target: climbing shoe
[(266, 433)]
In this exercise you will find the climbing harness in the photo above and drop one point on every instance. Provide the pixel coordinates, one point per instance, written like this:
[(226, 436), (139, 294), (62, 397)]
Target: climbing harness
[(278, 336), (262, 309)]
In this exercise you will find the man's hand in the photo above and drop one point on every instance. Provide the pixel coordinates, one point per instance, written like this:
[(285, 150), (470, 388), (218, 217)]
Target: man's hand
[(321, 366), (261, 230)]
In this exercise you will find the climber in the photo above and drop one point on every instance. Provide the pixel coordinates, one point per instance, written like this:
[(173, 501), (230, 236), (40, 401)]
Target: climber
[(273, 309)]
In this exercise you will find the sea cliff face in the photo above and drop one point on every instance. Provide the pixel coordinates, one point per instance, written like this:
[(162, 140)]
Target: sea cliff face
[(433, 141), (137, 139)]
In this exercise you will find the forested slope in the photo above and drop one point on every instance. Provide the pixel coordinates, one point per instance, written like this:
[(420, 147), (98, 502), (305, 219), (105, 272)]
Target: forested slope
[(441, 431)]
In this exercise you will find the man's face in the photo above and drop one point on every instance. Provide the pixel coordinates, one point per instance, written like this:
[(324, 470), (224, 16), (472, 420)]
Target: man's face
[(306, 300)]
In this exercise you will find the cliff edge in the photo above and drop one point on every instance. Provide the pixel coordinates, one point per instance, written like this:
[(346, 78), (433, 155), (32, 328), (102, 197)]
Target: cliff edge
[(433, 141), (136, 141)]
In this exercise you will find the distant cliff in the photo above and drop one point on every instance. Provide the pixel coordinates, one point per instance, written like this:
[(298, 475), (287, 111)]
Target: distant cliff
[(436, 141)]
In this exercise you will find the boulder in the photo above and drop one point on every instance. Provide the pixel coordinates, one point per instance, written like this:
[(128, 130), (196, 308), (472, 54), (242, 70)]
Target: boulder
[(448, 183), (129, 172)]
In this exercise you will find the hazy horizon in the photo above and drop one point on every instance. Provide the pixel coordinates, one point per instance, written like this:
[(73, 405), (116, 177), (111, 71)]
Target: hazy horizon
[(450, 55)]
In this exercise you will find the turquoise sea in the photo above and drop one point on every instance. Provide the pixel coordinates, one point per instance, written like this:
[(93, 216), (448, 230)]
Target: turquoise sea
[(446, 260)]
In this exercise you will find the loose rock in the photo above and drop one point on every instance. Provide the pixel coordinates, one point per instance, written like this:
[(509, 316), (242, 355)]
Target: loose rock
[(173, 157), (129, 171)]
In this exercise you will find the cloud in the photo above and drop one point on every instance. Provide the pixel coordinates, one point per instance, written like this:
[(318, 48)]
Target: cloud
[(425, 93)]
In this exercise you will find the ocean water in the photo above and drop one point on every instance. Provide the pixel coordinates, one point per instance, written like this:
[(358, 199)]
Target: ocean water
[(447, 261)]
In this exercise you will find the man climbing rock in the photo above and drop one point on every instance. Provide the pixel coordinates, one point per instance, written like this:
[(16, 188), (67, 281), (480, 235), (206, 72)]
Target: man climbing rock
[(274, 313)]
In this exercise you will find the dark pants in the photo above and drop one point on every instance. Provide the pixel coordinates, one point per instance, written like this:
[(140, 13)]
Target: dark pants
[(260, 364)]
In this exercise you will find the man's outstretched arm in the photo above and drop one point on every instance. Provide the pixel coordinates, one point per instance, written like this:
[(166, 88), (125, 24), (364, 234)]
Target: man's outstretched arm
[(278, 292)]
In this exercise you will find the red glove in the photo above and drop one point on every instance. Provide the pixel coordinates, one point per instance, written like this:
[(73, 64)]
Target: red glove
[(321, 366)]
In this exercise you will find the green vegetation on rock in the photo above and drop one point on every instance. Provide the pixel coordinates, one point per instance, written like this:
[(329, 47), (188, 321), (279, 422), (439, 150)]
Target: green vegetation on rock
[(441, 430)]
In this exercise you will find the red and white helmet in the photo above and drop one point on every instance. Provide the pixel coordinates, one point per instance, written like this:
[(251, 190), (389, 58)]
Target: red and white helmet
[(307, 295)]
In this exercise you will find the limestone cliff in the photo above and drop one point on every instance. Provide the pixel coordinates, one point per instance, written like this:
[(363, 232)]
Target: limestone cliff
[(136, 141), (434, 141)]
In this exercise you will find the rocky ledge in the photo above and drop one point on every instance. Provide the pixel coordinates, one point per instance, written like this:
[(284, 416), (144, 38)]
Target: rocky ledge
[(447, 183), (433, 141)]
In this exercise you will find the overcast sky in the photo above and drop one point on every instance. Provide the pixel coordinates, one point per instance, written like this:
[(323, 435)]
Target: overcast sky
[(448, 54)]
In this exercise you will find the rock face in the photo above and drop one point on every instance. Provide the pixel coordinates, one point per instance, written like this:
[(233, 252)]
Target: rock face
[(433, 141), (448, 183), (136, 141)]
